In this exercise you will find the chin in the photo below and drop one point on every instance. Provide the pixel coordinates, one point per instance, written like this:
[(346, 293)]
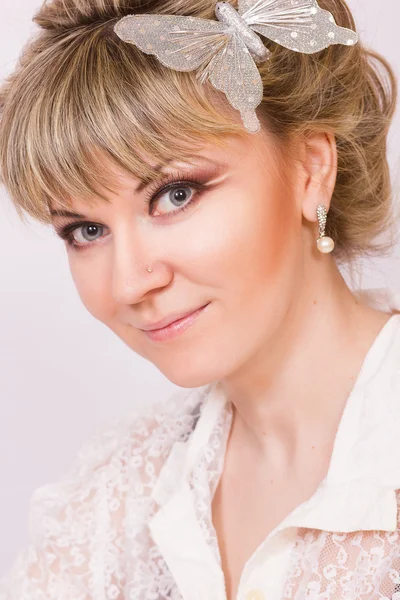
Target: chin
[(188, 379), (192, 373)]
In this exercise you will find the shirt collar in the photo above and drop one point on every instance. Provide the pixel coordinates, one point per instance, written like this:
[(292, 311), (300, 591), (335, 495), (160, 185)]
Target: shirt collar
[(358, 492)]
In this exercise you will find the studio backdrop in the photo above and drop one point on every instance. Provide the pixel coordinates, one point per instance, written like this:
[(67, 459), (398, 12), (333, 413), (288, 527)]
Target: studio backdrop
[(64, 375)]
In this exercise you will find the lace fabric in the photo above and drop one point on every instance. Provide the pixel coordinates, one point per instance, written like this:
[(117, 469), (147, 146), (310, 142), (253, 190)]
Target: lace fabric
[(89, 532), (362, 565), (359, 565), (206, 474), (89, 539)]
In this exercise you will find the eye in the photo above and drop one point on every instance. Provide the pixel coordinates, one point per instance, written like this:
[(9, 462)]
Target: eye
[(180, 197), (161, 202), (177, 195), (87, 233), (80, 235), (174, 199)]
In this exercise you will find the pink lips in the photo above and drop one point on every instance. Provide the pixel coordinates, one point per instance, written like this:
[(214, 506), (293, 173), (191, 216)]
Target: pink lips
[(167, 320), (174, 329)]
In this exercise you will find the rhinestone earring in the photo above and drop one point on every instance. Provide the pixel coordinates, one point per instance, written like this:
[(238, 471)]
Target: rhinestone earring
[(325, 244)]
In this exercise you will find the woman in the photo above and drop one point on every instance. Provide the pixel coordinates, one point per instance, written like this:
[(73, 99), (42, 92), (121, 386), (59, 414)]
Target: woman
[(275, 472)]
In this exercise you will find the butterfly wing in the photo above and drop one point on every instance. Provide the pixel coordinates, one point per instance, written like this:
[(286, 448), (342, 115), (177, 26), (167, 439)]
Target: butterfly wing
[(179, 42), (300, 25), (245, 5), (234, 72), (188, 43)]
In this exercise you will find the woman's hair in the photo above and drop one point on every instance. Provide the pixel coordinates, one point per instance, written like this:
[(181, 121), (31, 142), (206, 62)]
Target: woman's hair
[(80, 96)]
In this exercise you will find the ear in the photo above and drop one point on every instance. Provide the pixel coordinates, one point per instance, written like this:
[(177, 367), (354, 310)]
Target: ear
[(319, 172)]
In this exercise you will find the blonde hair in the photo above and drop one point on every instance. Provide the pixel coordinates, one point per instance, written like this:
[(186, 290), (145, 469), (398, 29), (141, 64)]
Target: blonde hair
[(79, 95)]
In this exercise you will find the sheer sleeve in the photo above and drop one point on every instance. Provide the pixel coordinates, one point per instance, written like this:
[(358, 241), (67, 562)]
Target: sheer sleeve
[(67, 537), (75, 525), (88, 537)]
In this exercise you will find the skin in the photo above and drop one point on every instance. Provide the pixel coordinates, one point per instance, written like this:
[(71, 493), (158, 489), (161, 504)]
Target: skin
[(283, 335)]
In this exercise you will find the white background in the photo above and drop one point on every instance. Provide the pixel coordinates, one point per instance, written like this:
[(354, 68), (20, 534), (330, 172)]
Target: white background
[(64, 375)]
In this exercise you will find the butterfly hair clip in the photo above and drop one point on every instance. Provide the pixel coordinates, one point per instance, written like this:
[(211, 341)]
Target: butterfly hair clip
[(226, 52)]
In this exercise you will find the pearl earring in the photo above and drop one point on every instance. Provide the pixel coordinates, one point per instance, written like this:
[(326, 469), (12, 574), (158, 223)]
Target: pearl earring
[(325, 244), (149, 269)]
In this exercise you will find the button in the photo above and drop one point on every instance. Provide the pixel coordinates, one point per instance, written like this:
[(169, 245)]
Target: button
[(254, 595)]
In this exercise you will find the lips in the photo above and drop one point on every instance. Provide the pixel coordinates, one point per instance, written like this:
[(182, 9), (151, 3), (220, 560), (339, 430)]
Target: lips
[(176, 328), (168, 320)]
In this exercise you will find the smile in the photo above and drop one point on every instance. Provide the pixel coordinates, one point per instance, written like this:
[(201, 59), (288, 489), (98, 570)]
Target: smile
[(176, 328)]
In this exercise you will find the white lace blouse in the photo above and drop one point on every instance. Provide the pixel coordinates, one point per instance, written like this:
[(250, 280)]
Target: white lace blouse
[(132, 518)]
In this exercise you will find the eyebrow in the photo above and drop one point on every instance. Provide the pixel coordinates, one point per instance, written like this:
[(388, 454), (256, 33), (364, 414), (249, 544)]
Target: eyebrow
[(140, 187)]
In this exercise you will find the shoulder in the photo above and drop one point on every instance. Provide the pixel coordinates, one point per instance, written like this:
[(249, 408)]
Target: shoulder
[(123, 459), (150, 431), (384, 298), (134, 446), (79, 525)]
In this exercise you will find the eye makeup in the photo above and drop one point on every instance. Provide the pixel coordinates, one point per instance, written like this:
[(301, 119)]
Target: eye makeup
[(200, 182)]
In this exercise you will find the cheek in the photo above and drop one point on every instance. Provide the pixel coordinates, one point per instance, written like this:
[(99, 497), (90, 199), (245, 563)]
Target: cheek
[(251, 253), (91, 278), (246, 246)]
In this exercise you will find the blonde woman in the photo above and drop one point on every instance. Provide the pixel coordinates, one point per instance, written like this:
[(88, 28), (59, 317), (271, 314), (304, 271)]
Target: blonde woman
[(211, 248)]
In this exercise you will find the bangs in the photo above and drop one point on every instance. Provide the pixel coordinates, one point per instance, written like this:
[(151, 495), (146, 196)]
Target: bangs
[(89, 99)]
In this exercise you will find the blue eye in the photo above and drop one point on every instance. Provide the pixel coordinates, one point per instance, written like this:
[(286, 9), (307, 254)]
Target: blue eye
[(176, 196), (175, 188), (90, 233)]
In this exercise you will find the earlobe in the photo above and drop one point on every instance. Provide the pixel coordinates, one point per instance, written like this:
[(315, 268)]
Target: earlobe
[(320, 169)]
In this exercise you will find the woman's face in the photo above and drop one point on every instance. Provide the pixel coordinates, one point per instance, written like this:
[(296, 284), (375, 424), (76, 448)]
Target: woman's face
[(237, 246)]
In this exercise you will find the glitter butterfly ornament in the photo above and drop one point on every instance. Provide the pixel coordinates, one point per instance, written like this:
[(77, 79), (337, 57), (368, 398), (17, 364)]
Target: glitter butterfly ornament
[(226, 52)]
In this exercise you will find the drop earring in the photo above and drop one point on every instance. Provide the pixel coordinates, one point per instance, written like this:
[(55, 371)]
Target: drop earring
[(325, 244)]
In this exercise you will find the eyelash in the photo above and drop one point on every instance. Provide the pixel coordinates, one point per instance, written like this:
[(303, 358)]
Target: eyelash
[(154, 190)]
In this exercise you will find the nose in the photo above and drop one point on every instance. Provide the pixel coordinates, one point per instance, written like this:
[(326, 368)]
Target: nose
[(131, 280)]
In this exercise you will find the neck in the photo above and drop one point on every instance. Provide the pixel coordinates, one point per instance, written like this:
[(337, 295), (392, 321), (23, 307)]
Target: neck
[(291, 395)]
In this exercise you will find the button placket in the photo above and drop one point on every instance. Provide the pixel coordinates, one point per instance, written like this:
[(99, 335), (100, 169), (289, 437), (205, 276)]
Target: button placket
[(254, 595), (264, 573)]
